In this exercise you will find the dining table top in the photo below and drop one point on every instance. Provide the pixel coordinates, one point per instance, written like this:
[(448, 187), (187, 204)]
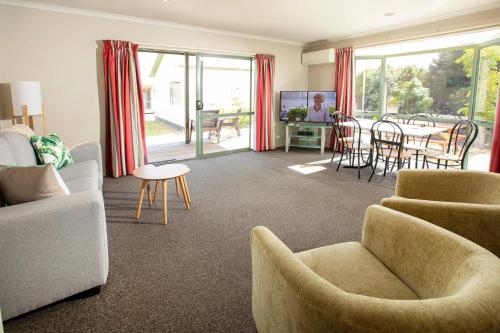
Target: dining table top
[(407, 129)]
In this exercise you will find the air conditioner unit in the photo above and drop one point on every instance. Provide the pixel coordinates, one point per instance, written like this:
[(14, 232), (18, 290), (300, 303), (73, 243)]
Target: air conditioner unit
[(326, 56)]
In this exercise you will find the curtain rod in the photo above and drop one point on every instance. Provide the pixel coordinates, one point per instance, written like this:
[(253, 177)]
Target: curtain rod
[(192, 50)]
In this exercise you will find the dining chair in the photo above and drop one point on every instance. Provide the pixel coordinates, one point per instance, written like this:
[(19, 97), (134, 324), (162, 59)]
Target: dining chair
[(387, 138), (462, 136), (335, 116), (416, 145), (352, 143), (394, 117)]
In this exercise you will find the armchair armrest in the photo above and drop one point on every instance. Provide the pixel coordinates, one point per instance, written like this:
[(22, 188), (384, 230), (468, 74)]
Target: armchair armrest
[(51, 249), (88, 151), (476, 222)]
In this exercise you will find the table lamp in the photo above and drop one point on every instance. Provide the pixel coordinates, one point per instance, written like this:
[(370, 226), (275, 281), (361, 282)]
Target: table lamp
[(26, 102)]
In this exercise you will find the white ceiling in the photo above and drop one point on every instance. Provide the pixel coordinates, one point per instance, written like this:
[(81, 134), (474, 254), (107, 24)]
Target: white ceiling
[(299, 21)]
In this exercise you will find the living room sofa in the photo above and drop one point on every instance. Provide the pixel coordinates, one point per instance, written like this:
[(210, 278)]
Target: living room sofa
[(406, 275), (53, 248)]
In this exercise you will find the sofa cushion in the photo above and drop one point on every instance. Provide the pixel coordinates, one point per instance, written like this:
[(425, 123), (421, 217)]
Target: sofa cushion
[(51, 149), (6, 157), (81, 176), (21, 150), (25, 184), (354, 269)]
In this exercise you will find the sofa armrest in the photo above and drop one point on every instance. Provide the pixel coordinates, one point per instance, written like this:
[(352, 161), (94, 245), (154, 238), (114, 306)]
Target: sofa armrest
[(88, 151), (476, 222), (51, 249)]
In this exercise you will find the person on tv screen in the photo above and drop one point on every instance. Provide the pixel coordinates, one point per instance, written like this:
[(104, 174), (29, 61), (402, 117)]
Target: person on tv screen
[(318, 112)]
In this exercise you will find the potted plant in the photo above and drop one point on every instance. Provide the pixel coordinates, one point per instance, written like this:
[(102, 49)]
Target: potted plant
[(297, 114)]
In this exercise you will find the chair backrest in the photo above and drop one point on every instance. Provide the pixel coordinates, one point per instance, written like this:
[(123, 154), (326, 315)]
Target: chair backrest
[(462, 135), (345, 133), (387, 136), (210, 122), (335, 116), (423, 120), (394, 117)]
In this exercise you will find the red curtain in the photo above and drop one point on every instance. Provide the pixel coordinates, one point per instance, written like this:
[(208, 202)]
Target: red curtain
[(495, 149), (125, 133), (264, 115), (344, 69)]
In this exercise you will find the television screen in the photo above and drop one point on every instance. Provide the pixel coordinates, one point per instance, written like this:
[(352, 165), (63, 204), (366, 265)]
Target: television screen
[(313, 106)]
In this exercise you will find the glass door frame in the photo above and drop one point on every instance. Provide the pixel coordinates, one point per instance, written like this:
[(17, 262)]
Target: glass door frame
[(199, 104)]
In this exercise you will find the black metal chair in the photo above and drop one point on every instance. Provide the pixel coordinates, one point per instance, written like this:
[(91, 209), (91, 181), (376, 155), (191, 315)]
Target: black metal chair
[(387, 139), (349, 132), (394, 117), (416, 145), (461, 138), (335, 116)]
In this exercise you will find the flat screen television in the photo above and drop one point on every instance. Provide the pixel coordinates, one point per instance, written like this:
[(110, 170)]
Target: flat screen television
[(307, 106)]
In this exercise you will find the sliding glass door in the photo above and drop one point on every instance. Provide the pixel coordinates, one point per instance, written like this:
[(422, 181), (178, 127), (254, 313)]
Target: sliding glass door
[(224, 103)]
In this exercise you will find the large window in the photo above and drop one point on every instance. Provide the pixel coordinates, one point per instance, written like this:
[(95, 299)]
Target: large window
[(367, 94)]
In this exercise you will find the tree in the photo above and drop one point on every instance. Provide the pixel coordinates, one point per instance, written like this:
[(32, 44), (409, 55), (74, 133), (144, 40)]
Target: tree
[(372, 89), (489, 67), (412, 97)]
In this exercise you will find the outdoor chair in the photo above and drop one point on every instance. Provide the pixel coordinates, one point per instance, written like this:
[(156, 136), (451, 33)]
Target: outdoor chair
[(209, 124)]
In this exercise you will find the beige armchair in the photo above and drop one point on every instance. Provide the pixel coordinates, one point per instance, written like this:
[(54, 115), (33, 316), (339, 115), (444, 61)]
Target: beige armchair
[(406, 275), (465, 202)]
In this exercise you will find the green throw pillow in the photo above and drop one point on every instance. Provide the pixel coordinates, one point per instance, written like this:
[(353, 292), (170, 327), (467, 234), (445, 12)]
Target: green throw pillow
[(50, 149)]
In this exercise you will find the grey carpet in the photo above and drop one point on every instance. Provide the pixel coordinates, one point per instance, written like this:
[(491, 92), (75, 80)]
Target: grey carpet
[(194, 275)]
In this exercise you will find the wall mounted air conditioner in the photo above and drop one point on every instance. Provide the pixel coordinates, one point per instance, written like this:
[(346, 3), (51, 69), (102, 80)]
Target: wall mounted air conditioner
[(326, 56)]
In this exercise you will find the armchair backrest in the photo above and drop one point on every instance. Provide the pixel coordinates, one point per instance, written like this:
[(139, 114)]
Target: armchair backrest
[(430, 260), (464, 186)]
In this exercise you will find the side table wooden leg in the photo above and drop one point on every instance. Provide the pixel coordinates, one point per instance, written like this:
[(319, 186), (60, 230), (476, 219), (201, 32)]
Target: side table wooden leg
[(164, 194), (184, 193), (148, 187), (141, 196), (187, 189), (156, 191), (177, 185)]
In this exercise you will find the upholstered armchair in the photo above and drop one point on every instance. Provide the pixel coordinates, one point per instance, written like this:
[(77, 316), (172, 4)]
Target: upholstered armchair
[(465, 202), (406, 275)]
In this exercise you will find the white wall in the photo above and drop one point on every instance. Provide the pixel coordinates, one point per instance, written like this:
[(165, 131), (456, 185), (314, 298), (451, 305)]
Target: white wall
[(321, 77), (62, 50)]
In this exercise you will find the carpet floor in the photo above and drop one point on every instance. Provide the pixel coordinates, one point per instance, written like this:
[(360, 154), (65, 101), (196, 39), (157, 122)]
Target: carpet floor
[(194, 275)]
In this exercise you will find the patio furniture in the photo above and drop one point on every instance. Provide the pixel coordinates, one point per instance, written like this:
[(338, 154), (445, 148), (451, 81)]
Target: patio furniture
[(414, 144), (232, 122), (387, 137), (461, 138), (209, 124), (406, 275), (149, 173), (465, 202), (351, 143)]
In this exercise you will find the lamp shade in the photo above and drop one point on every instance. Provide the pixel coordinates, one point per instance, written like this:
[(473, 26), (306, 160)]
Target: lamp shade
[(26, 93)]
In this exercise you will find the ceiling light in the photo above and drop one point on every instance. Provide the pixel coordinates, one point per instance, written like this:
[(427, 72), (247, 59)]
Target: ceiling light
[(386, 14)]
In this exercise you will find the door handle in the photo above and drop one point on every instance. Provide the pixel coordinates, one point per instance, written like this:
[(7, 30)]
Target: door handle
[(199, 105)]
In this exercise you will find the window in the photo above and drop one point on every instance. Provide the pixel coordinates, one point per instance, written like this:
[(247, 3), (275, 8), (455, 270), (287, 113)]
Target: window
[(146, 92), (175, 92), (367, 86), (436, 83)]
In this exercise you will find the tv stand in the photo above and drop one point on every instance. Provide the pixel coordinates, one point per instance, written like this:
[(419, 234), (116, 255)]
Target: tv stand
[(314, 141)]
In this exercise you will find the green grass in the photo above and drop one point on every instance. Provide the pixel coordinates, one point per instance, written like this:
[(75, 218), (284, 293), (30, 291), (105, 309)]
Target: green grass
[(155, 128)]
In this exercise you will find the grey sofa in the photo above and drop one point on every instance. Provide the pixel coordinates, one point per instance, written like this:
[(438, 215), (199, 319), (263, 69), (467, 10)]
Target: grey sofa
[(54, 248)]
